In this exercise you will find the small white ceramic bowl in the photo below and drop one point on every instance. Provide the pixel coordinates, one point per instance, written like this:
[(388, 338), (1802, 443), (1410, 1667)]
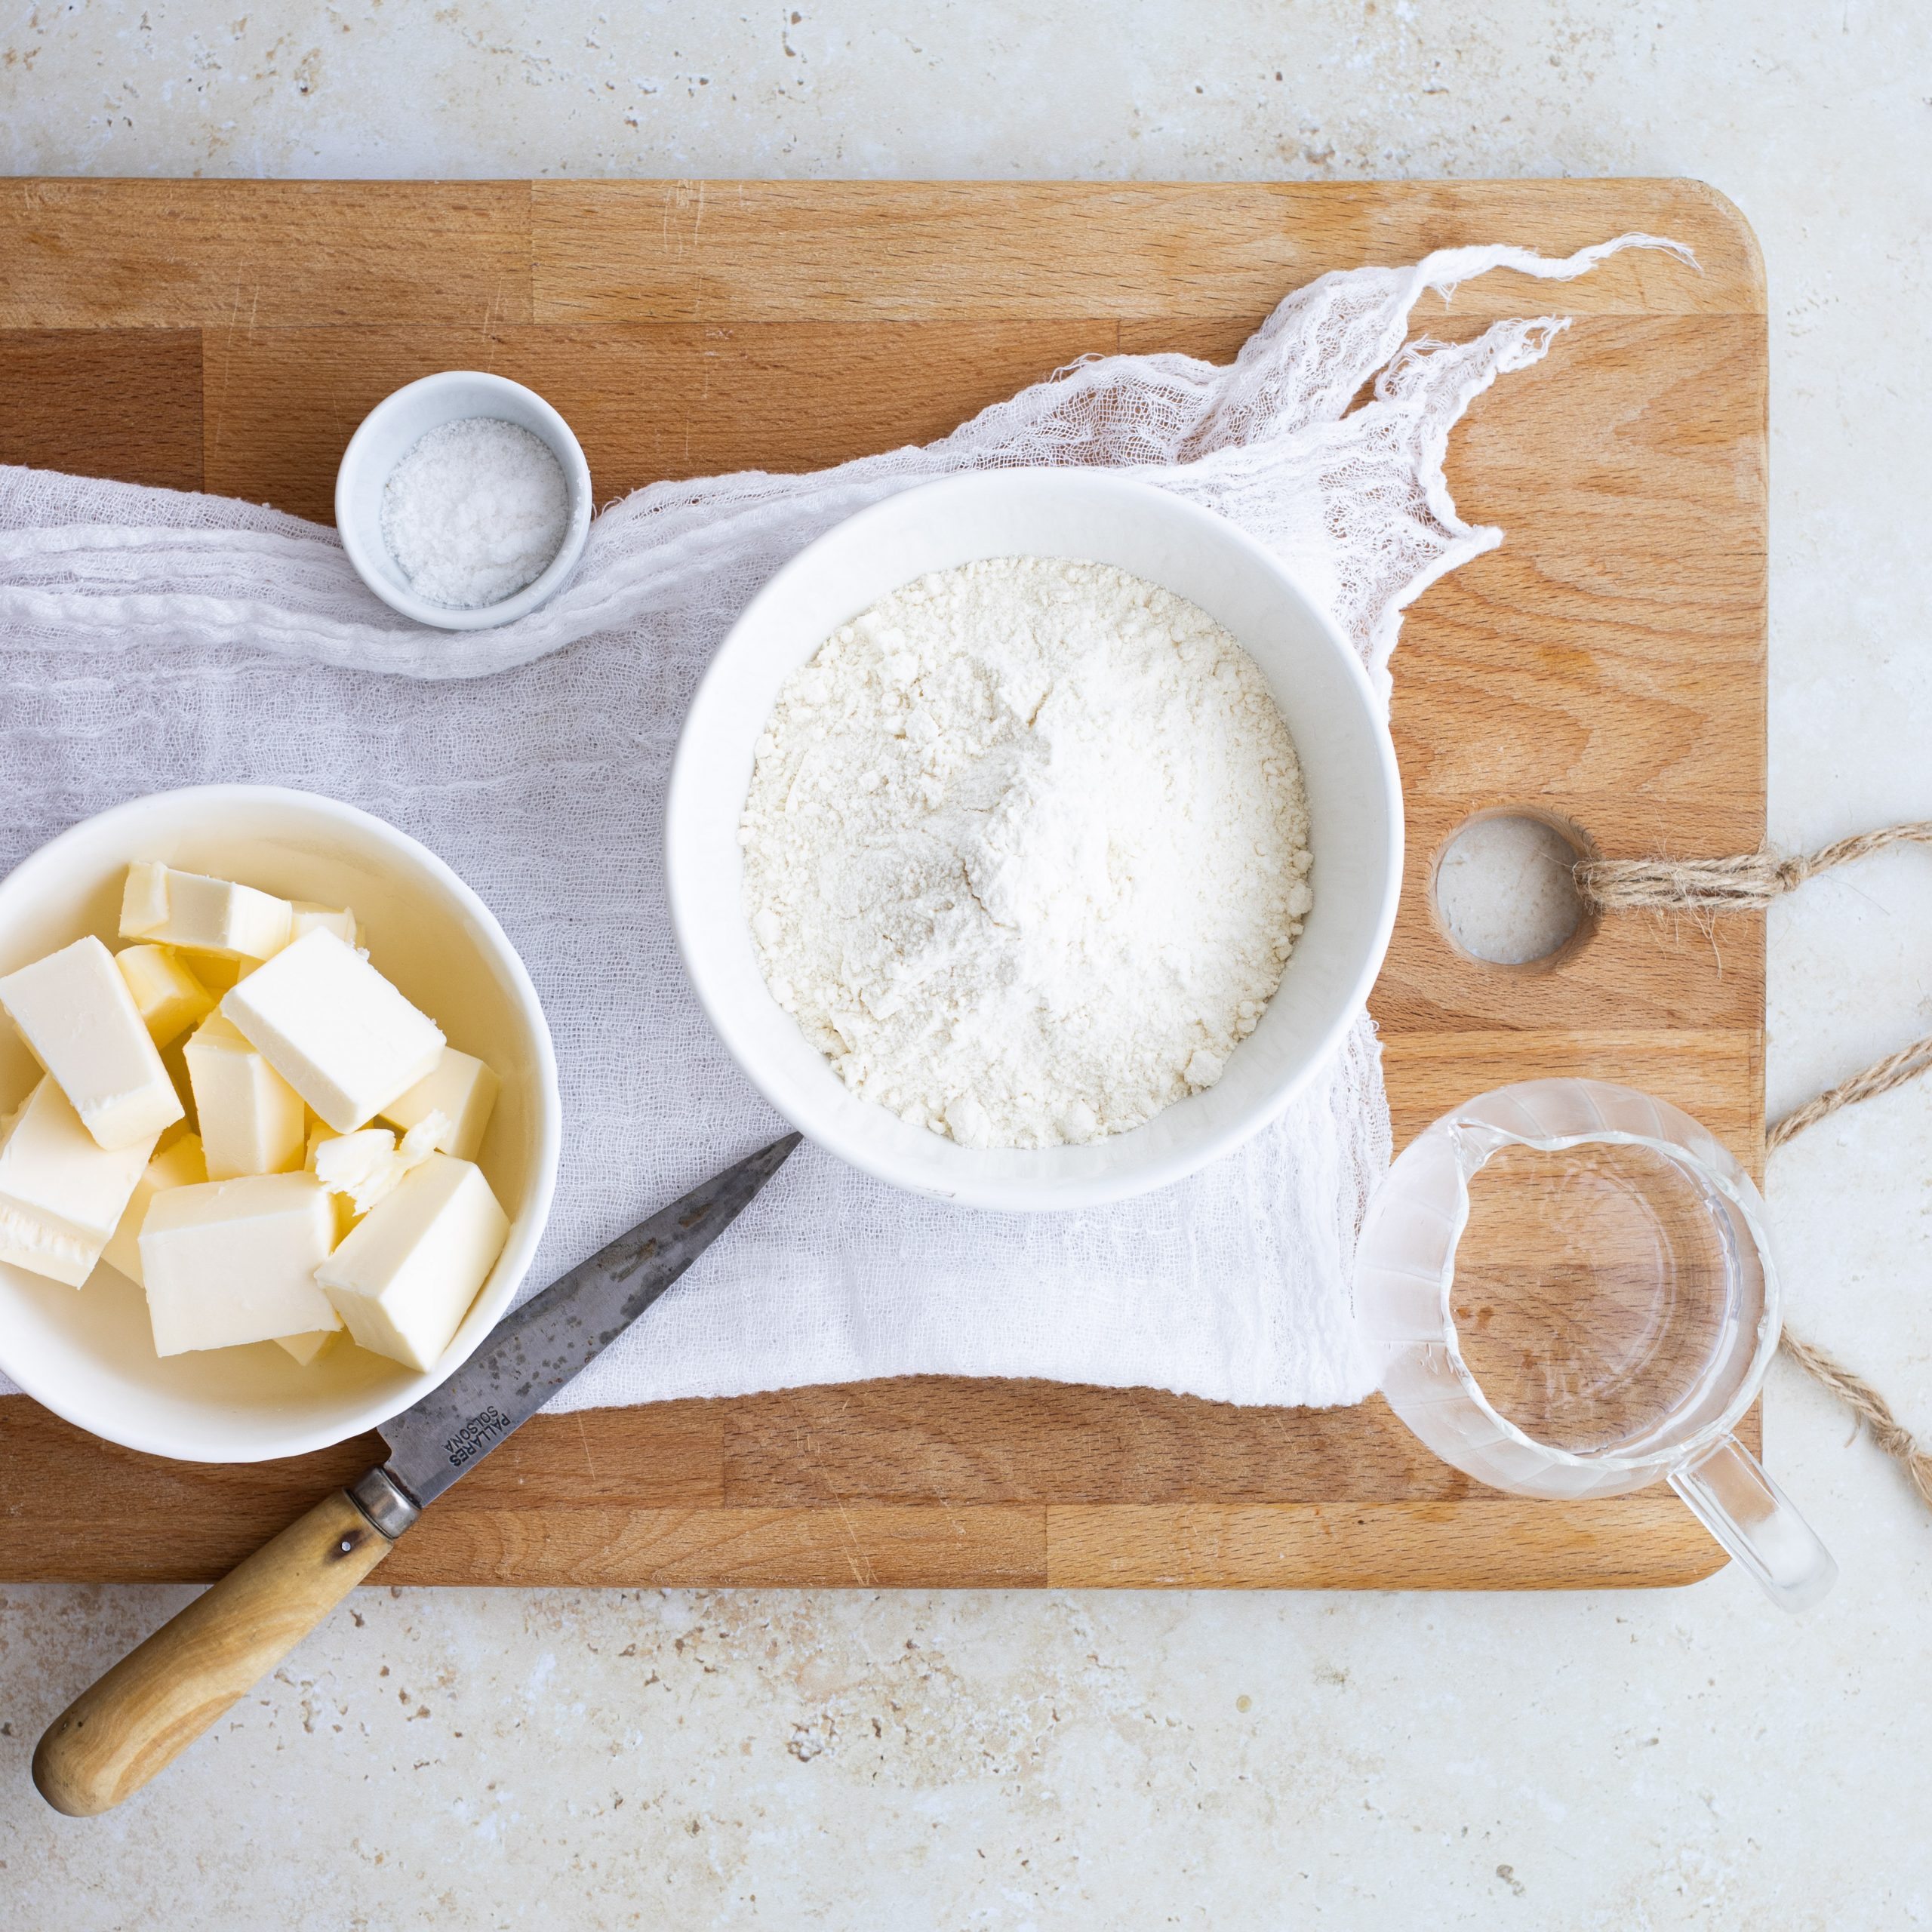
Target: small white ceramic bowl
[(385, 436), (88, 1353), (1354, 797)]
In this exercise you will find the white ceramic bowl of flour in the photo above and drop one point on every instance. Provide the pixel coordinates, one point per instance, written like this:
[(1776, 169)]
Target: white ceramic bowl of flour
[(1332, 713)]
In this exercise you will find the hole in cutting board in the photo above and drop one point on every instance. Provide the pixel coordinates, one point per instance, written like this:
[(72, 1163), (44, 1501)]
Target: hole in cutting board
[(1503, 890)]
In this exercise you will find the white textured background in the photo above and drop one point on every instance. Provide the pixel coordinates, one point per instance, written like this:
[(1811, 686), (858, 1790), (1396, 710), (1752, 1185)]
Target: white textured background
[(483, 1759)]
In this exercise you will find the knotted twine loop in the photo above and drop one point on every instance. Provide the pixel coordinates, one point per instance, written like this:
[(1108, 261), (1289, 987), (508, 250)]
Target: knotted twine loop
[(1749, 883), (1746, 883)]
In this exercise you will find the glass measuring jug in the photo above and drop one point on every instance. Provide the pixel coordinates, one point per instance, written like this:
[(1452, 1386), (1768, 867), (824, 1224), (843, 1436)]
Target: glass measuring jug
[(1575, 1291)]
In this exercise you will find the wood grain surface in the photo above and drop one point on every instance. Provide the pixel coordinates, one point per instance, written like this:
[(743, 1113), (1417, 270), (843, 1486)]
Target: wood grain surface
[(1605, 666)]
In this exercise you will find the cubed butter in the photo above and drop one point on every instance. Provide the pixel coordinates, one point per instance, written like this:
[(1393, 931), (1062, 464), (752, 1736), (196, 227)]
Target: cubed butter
[(463, 1091), (352, 1163), (144, 899), (74, 1012), (404, 1279), (305, 1348), (235, 1261), (346, 1216), (174, 1057), (367, 1166), (61, 1195), (166, 994), (210, 914), (335, 1029), (178, 1165), (217, 971), (339, 920), (252, 1122)]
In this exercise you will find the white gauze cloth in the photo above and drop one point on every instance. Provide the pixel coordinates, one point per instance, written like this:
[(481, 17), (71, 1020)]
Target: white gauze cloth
[(150, 639)]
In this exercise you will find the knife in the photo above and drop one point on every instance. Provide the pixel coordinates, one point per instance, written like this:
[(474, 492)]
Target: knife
[(160, 1697)]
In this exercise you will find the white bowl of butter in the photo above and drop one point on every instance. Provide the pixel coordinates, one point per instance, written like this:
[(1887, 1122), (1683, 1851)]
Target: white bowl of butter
[(88, 1353)]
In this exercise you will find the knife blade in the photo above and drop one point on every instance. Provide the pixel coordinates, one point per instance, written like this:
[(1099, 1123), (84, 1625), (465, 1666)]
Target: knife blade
[(549, 1341), (166, 1692)]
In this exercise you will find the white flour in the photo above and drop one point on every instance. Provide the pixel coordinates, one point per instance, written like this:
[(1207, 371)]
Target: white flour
[(1026, 851)]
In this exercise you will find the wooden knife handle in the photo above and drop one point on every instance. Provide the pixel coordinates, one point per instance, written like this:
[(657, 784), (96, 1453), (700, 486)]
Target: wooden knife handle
[(160, 1697)]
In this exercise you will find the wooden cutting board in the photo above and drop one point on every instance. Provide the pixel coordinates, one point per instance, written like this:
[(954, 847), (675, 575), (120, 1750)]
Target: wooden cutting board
[(1607, 663)]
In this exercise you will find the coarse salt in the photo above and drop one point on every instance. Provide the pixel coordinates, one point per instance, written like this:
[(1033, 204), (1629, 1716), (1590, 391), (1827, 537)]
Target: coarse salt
[(475, 510)]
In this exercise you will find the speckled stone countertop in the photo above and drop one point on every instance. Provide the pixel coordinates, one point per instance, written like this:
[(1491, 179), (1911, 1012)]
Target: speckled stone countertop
[(481, 1758)]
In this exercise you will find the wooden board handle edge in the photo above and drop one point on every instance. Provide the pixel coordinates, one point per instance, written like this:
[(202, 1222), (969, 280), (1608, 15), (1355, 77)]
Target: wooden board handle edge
[(139, 1718)]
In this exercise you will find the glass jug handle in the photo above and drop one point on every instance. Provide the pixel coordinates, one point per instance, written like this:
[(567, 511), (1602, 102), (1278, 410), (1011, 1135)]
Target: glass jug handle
[(1731, 1496)]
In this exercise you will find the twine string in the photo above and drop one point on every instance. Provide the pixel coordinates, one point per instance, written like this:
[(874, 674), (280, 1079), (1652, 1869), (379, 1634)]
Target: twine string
[(1894, 1070), (1871, 1408), (1851, 1387), (1746, 883), (1749, 883)]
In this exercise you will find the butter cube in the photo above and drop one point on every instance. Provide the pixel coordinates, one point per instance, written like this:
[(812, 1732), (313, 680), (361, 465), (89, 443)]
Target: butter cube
[(335, 1029), (74, 1010), (306, 1347), (252, 1120), (167, 996), (404, 1279), (357, 1165), (61, 1196), (235, 1261), (144, 899), (346, 1216), (340, 921), (178, 1164), (174, 1057), (217, 971), (209, 914), (463, 1091), (367, 1166)]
